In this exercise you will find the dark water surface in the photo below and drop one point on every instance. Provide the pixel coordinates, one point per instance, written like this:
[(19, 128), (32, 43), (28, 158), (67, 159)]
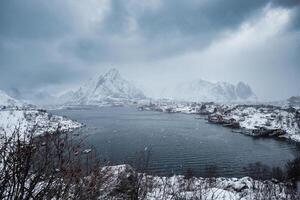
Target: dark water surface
[(176, 141)]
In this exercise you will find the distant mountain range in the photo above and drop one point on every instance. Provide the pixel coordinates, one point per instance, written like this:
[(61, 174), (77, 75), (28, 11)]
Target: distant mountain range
[(294, 101), (112, 88), (107, 88), (201, 90)]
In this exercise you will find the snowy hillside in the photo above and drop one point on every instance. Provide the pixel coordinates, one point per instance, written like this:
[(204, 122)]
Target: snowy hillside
[(201, 90), (15, 115), (7, 101), (294, 101), (38, 120), (110, 87)]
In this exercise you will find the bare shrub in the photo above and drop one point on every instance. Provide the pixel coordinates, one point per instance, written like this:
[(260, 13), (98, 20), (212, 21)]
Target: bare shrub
[(293, 169), (258, 171), (210, 171), (45, 167), (189, 173), (278, 173), (141, 164)]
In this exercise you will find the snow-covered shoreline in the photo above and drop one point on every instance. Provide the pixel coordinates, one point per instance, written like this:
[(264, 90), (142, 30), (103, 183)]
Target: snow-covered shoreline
[(33, 121), (25, 118), (255, 120)]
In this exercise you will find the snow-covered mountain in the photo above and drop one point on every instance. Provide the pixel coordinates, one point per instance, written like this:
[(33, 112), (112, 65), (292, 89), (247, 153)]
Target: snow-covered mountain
[(107, 88), (294, 101), (8, 101), (201, 90)]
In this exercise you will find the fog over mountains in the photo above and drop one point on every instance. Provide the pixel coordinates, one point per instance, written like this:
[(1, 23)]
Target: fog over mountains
[(112, 87), (8, 101), (201, 90)]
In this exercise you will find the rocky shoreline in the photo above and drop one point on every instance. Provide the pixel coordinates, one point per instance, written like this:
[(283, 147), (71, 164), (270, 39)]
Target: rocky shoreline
[(255, 120)]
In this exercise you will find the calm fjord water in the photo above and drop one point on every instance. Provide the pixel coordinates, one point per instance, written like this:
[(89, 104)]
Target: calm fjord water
[(177, 141)]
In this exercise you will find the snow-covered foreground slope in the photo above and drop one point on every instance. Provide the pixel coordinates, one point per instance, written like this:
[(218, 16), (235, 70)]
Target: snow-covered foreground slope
[(201, 90), (121, 181), (104, 89)]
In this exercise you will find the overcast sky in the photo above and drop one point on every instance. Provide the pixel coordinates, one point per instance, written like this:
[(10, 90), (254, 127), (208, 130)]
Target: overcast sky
[(56, 45)]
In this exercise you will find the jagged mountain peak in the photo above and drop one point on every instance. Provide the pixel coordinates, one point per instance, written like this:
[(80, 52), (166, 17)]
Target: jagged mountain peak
[(112, 74), (243, 90), (108, 87)]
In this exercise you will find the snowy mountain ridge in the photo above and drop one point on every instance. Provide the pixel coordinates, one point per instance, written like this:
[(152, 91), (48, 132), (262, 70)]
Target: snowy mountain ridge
[(202, 90), (8, 101), (109, 87)]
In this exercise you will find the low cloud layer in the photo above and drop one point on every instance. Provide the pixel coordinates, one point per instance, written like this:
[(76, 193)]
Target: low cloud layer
[(56, 45)]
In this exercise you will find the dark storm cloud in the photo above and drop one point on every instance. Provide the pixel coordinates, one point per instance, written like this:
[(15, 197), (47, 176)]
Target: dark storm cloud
[(38, 38), (28, 66), (187, 17), (28, 30), (180, 25), (295, 24), (295, 6), (33, 19)]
